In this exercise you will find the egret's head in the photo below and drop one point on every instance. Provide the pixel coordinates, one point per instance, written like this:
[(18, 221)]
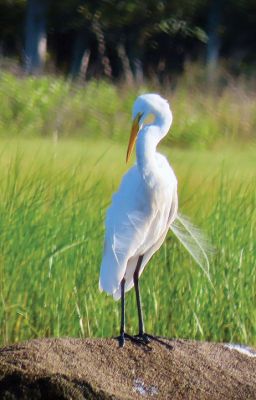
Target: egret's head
[(150, 103), (145, 105)]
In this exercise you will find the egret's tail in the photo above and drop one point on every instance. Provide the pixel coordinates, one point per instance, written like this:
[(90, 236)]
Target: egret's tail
[(194, 240)]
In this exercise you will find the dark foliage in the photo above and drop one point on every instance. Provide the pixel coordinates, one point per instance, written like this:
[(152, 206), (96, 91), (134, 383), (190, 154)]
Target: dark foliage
[(122, 39)]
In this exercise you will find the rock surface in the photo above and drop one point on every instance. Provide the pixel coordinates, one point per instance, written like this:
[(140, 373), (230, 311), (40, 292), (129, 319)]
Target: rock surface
[(99, 369)]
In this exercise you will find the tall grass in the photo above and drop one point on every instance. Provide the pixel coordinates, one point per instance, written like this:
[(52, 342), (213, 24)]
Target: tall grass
[(52, 207), (50, 106)]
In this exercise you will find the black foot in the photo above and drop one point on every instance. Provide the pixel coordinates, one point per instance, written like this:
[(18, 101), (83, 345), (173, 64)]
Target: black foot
[(121, 340), (124, 336), (143, 338)]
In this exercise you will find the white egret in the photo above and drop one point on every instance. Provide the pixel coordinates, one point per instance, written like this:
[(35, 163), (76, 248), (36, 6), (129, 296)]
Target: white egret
[(142, 210)]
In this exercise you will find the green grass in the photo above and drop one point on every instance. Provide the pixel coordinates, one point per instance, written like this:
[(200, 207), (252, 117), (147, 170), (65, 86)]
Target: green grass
[(53, 198), (54, 107)]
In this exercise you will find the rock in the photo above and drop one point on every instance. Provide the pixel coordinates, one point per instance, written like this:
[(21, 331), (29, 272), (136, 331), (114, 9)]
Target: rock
[(99, 369)]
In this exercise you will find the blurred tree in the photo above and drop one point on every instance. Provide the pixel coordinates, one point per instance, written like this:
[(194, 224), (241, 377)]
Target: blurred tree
[(130, 29), (11, 26), (239, 35), (35, 36), (127, 39), (213, 43), (80, 54), (69, 35)]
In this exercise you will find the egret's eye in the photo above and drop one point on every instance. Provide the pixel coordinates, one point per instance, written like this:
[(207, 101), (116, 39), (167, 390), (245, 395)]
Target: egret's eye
[(149, 119)]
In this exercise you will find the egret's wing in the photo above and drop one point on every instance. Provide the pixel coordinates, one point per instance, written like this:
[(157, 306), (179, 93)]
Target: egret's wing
[(158, 241), (127, 224), (194, 240)]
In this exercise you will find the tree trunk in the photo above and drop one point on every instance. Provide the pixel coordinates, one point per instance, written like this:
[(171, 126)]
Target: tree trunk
[(127, 72), (213, 45), (103, 58), (35, 36), (80, 49), (135, 54)]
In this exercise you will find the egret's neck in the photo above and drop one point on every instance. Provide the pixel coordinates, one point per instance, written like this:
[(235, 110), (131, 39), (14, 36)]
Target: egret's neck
[(148, 139)]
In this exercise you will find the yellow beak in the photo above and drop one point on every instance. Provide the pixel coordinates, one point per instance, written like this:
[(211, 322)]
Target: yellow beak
[(133, 136)]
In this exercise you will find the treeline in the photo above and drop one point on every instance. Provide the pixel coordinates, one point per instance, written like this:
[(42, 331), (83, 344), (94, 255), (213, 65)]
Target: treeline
[(128, 39)]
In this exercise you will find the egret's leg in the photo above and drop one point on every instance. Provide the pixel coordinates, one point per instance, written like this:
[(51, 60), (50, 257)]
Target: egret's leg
[(122, 327), (137, 291), (142, 334), (123, 334)]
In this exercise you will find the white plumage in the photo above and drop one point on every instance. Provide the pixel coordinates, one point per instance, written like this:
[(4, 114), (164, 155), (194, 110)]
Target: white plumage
[(146, 202), (142, 211)]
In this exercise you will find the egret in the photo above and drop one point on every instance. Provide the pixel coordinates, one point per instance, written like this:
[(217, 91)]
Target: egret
[(142, 210)]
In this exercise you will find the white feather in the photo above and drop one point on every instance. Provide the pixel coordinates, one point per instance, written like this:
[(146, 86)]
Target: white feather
[(194, 241)]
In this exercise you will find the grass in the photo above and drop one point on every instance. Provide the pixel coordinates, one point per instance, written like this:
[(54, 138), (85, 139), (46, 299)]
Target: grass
[(53, 198), (54, 107)]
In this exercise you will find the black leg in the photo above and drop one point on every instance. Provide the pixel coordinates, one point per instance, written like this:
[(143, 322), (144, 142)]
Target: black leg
[(142, 334), (121, 340), (137, 291), (123, 334)]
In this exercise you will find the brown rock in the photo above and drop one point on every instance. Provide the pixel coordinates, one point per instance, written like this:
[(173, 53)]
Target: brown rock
[(99, 369)]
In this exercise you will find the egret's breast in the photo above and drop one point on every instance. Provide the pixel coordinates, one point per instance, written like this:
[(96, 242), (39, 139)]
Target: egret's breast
[(161, 206), (163, 193)]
